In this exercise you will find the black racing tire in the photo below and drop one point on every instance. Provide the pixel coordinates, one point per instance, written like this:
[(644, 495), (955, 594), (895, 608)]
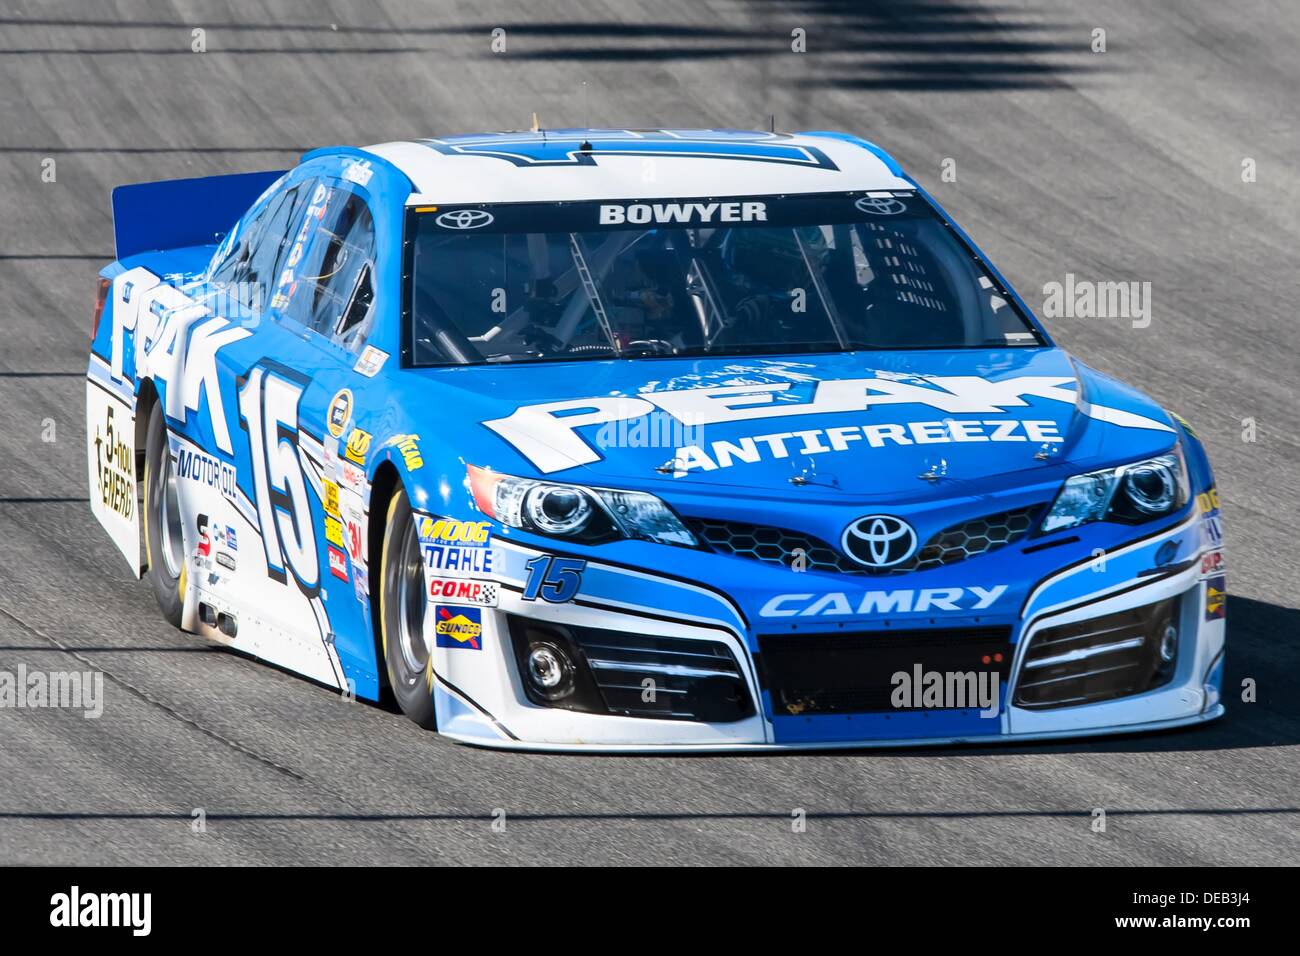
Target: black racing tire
[(163, 541), (402, 607)]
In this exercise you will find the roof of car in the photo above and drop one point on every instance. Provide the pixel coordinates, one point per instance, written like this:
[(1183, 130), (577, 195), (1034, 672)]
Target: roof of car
[(579, 164)]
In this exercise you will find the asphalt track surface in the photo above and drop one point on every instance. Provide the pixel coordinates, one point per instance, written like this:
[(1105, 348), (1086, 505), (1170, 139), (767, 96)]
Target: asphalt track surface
[(1124, 165)]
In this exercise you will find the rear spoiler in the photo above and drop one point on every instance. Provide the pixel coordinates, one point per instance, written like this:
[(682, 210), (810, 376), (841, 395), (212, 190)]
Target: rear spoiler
[(175, 213)]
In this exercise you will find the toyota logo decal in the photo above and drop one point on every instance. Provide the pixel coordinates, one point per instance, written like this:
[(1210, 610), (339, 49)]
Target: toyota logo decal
[(881, 206), (464, 219), (879, 541)]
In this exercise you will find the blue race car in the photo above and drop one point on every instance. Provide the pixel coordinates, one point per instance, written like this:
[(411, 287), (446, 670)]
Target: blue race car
[(641, 440)]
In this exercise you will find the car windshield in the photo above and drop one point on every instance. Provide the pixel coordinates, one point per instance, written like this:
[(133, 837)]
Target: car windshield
[(756, 275)]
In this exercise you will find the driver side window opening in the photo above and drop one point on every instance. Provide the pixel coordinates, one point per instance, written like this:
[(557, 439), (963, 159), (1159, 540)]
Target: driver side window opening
[(328, 285), (247, 274)]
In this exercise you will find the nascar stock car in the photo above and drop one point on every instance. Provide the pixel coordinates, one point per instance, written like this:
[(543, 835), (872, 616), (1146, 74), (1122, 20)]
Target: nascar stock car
[(637, 440)]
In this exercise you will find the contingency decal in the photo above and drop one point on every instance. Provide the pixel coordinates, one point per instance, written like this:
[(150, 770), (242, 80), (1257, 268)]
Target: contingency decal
[(358, 171), (306, 233), (548, 433), (458, 626), (217, 544), (330, 497), (358, 446), (343, 492), (454, 548), (463, 591), (1212, 564), (112, 458), (1187, 426), (340, 412), (370, 362), (338, 563), (334, 531), (409, 447), (1207, 503), (1216, 598)]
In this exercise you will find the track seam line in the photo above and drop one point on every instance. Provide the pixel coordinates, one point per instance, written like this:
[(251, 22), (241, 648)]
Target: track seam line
[(320, 790), (148, 699)]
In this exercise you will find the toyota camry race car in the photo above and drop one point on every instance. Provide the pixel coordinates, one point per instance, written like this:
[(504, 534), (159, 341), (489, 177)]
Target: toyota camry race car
[(629, 439)]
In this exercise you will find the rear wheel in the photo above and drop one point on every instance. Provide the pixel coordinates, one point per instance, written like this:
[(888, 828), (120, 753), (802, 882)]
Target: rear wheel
[(401, 614), (164, 541)]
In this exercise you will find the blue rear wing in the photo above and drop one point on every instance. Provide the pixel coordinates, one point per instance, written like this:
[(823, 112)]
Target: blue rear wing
[(175, 213)]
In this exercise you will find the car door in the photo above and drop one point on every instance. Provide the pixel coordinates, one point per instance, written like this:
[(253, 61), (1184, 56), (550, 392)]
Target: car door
[(310, 406), (255, 554)]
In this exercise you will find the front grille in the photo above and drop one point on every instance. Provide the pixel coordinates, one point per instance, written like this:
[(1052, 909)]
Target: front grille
[(795, 549), (1100, 659), (852, 672), (639, 675)]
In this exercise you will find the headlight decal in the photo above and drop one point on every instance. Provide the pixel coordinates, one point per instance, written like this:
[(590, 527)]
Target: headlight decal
[(1132, 493), (576, 512)]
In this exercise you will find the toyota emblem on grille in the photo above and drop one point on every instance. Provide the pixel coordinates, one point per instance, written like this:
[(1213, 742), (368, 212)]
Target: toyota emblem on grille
[(879, 541), (464, 219)]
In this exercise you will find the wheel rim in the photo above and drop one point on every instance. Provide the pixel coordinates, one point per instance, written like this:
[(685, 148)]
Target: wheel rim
[(410, 605), (170, 533)]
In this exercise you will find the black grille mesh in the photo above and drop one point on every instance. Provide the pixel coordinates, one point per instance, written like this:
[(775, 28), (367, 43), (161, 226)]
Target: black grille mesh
[(851, 672), (789, 548)]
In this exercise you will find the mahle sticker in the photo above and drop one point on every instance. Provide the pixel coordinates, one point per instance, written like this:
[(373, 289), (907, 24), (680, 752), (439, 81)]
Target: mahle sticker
[(471, 560)]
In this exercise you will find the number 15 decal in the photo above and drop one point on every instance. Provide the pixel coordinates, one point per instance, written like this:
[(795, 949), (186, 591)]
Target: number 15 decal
[(555, 580), (268, 411)]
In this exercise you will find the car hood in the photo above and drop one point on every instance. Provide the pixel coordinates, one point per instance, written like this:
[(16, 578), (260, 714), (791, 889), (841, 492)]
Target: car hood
[(865, 424)]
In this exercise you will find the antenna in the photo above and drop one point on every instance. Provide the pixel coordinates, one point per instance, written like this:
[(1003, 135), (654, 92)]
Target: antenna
[(586, 117), (536, 125), (771, 122)]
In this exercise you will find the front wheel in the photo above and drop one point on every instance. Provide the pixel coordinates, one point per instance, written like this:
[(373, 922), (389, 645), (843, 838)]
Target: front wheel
[(163, 535), (402, 604)]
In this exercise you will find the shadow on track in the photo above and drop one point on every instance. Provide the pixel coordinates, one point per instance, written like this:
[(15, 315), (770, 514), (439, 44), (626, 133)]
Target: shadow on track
[(952, 46)]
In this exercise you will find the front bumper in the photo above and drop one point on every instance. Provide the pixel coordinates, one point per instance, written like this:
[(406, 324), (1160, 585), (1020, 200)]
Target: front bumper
[(482, 697)]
